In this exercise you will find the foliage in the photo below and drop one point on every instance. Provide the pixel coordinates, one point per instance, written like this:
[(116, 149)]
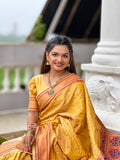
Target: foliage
[(1, 77), (38, 31), (80, 72), (2, 140)]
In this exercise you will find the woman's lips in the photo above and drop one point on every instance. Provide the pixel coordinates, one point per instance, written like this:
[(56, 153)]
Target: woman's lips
[(58, 65)]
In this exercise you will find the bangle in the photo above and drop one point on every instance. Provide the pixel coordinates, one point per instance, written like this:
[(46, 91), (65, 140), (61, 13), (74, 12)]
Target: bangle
[(30, 132)]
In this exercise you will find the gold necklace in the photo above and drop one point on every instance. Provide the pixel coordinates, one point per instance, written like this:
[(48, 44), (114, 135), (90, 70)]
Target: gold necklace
[(51, 91)]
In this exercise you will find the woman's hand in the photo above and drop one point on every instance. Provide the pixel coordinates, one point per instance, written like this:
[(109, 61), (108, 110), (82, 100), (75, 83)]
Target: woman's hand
[(29, 138), (27, 142), (33, 126)]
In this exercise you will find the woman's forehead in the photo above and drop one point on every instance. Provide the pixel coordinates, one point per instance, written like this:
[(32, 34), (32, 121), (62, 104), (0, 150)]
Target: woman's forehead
[(60, 48)]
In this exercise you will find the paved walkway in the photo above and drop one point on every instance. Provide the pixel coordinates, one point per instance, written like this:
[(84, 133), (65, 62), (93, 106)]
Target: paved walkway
[(12, 121)]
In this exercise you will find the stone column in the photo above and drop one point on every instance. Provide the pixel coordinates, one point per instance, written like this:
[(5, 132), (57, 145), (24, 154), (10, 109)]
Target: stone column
[(102, 76)]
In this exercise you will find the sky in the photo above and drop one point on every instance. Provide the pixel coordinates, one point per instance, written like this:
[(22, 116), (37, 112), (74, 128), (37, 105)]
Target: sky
[(19, 14)]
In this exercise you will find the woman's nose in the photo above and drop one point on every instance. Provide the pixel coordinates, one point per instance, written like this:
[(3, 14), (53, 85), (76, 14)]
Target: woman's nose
[(59, 58)]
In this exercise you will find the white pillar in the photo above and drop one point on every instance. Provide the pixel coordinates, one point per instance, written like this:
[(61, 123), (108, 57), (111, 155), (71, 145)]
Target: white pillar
[(27, 77), (103, 74), (108, 50), (6, 81), (17, 80)]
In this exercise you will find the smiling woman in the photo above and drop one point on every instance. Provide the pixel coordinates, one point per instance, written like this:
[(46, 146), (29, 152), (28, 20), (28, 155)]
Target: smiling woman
[(58, 58), (58, 50)]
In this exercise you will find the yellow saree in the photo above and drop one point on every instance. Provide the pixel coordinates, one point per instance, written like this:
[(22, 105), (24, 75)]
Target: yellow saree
[(68, 126)]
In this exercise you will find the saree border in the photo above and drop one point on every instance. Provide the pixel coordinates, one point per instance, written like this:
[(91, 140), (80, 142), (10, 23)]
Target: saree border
[(39, 153), (62, 84), (14, 145)]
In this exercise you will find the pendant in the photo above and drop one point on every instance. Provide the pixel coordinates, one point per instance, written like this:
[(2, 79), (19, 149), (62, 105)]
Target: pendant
[(51, 91)]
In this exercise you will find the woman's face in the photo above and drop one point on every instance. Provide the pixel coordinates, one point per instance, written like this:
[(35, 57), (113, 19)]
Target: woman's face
[(58, 57)]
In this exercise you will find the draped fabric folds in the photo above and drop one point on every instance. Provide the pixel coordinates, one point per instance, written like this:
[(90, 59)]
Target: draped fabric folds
[(68, 127)]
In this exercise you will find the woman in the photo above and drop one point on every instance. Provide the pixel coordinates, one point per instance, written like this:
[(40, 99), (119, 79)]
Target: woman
[(62, 124)]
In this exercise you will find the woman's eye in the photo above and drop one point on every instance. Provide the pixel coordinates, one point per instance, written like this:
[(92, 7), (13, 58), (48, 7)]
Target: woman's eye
[(54, 54), (65, 56)]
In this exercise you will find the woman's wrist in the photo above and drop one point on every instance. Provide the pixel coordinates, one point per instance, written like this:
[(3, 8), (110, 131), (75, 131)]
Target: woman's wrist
[(30, 131)]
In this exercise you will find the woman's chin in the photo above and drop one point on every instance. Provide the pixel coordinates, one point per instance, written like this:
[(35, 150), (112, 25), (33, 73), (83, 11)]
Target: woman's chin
[(58, 69)]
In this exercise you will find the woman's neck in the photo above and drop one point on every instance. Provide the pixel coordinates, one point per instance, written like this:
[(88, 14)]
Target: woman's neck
[(56, 74)]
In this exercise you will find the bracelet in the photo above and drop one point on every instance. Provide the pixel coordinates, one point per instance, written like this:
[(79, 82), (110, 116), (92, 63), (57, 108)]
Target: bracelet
[(30, 132)]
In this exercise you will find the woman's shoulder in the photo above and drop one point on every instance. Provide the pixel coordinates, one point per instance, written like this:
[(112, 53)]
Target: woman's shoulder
[(36, 78), (76, 77), (78, 82)]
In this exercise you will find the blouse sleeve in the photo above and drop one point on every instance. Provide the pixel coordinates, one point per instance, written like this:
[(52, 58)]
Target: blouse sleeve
[(33, 105)]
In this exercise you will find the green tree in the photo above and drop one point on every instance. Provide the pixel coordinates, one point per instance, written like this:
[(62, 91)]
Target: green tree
[(38, 32)]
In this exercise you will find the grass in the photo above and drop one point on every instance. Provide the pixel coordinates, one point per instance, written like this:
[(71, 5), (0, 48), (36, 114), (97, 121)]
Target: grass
[(11, 77), (2, 140), (1, 77), (12, 135)]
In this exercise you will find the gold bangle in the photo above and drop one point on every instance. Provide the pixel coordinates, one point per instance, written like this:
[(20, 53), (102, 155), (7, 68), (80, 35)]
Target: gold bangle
[(30, 132)]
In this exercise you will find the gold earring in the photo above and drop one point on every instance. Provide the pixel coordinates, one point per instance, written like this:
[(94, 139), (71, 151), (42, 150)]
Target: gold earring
[(47, 63)]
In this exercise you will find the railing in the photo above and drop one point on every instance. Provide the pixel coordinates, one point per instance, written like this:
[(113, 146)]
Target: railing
[(28, 57), (16, 57), (29, 71)]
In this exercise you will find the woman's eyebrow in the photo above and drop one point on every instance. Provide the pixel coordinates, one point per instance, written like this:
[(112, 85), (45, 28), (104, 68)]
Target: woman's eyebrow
[(58, 52)]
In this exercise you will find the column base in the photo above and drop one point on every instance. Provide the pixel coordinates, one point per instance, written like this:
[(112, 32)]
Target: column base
[(107, 53), (103, 84)]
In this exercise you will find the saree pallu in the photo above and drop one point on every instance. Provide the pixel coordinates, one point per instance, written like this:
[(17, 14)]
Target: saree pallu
[(12, 150), (68, 127)]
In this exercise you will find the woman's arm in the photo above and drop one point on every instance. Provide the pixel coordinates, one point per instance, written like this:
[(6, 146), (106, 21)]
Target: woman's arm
[(32, 120), (32, 124)]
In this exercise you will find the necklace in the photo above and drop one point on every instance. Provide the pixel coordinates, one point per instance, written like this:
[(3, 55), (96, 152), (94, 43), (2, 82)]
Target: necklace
[(51, 91)]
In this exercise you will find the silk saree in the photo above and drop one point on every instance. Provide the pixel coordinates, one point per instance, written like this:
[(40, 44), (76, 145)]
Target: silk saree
[(68, 127)]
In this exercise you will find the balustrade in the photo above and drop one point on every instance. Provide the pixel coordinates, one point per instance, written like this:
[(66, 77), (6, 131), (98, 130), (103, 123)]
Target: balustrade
[(27, 57), (19, 86), (29, 71)]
